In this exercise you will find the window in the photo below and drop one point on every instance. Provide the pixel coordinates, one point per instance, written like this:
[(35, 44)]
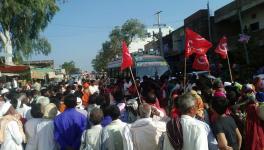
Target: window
[(254, 26), (254, 16)]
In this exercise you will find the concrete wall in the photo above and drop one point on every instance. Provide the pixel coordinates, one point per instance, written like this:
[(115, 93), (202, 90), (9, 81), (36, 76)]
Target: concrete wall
[(248, 17)]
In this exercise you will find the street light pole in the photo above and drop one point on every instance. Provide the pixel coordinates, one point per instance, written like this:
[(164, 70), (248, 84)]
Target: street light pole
[(160, 33)]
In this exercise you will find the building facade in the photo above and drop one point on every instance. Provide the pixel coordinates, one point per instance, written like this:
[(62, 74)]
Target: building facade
[(243, 17), (138, 44)]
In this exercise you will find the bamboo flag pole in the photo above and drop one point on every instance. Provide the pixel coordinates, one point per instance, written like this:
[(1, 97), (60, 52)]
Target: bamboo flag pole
[(140, 101), (185, 74), (230, 71)]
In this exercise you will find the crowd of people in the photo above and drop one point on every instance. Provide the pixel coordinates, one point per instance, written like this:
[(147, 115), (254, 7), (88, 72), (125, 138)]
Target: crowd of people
[(152, 114)]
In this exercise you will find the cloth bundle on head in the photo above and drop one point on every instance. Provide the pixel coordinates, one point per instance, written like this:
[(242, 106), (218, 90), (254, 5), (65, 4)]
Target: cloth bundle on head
[(198, 103), (132, 103), (238, 86), (85, 85), (260, 96), (247, 88), (50, 111), (4, 108), (219, 94), (218, 83)]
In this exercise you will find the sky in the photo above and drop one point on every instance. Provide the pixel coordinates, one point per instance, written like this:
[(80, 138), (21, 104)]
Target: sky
[(78, 30)]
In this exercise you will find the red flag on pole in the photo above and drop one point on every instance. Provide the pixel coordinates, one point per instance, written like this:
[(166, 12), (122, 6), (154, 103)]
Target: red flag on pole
[(127, 60), (222, 49), (201, 63), (195, 43)]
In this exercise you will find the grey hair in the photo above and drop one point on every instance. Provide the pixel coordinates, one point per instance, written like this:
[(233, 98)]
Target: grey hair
[(186, 102), (144, 110), (44, 101)]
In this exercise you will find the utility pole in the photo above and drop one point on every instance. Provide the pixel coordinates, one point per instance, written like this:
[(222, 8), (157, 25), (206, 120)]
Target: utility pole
[(209, 22), (241, 28), (160, 33)]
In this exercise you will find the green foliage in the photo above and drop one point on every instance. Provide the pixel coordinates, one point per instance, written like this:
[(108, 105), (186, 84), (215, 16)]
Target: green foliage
[(70, 67), (25, 20), (132, 28)]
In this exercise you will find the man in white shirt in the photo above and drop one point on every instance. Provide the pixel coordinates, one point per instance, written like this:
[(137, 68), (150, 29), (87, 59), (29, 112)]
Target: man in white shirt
[(31, 126), (91, 138), (44, 139), (22, 108), (196, 134), (14, 83), (11, 129), (93, 88), (145, 133), (112, 136)]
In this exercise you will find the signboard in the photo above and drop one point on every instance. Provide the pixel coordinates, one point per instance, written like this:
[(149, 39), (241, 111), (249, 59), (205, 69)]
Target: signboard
[(40, 73)]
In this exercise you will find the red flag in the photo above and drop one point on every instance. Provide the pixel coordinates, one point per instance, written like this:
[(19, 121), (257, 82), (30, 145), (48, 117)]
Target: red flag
[(201, 63), (127, 60), (195, 43), (221, 49)]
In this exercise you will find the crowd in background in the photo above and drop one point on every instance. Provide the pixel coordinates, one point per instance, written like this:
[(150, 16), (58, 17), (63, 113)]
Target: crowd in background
[(125, 115)]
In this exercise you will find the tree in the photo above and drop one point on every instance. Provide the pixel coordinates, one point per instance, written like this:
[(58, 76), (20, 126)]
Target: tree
[(70, 67), (21, 22), (131, 29)]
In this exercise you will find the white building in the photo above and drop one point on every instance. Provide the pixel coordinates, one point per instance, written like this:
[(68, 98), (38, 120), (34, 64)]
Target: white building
[(139, 43)]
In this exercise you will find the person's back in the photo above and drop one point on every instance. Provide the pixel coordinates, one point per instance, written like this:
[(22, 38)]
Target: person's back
[(225, 127), (193, 130), (45, 137), (194, 133), (69, 125), (147, 130), (13, 139), (11, 131), (31, 126), (91, 138), (112, 134)]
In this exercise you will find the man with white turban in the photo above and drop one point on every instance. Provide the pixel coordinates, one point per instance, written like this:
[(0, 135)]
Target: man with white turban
[(11, 128)]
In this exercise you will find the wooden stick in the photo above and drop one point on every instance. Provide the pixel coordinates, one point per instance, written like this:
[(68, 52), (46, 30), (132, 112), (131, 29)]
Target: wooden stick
[(185, 74), (140, 101), (230, 72)]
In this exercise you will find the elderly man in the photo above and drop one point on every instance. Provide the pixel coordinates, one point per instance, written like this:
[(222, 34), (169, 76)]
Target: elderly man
[(112, 135), (91, 138), (11, 128), (146, 129), (196, 134)]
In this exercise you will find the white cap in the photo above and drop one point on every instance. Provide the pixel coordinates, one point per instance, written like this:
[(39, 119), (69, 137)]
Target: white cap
[(227, 84), (4, 108), (4, 91)]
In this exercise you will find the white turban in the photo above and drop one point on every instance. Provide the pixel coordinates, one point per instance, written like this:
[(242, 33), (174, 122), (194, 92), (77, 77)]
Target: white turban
[(4, 108)]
